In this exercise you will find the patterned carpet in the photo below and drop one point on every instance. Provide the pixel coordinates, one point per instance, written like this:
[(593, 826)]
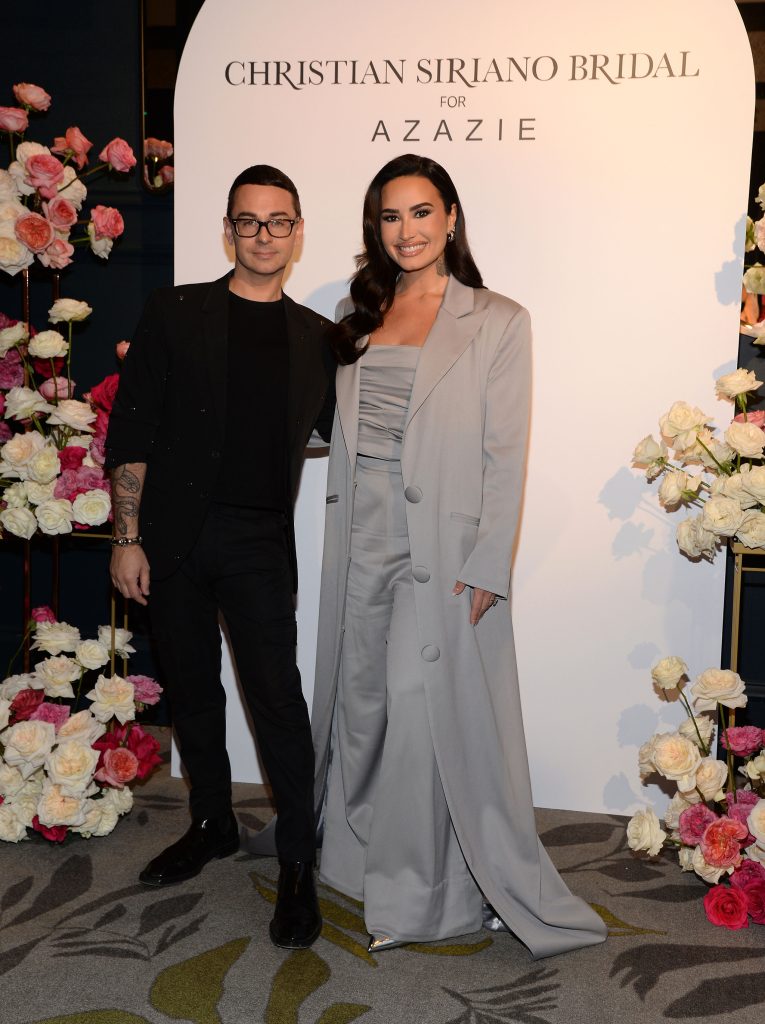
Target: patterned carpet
[(82, 942)]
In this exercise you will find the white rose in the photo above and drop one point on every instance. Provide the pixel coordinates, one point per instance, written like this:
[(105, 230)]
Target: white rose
[(706, 871), (746, 439), (674, 487), (734, 486), (120, 799), (44, 465), (694, 540), (705, 727), (48, 345), (11, 780), (99, 246), (645, 758), (26, 809), (71, 766), (756, 821), (681, 425), (18, 521), (113, 697), (710, 778), (92, 507), (55, 516), (5, 712), (11, 336), (55, 637), (685, 856), (39, 493), (737, 383), (57, 675), (751, 533), (122, 638), (27, 744), (72, 188), (10, 211), (753, 482), (14, 256), (58, 808), (676, 758), (15, 496), (668, 672), (754, 769), (718, 686), (8, 187), (100, 818), (78, 415), (19, 450), (82, 727), (22, 403), (675, 808), (722, 516), (644, 832), (15, 684), (12, 828), (66, 310), (756, 852), (91, 654), (649, 451), (754, 278)]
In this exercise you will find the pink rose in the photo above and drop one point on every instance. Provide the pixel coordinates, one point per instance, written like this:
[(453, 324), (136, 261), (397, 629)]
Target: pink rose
[(58, 254), (119, 766), (11, 371), (31, 96), (147, 690), (76, 481), (743, 739), (13, 119), (747, 871), (107, 222), (157, 149), (54, 833), (43, 613), (756, 418), (25, 703), (118, 155), (73, 144), (167, 174), (726, 907), (693, 822), (103, 394), (121, 348), (98, 451), (56, 714), (740, 809), (45, 173), (721, 842), (56, 387), (34, 231), (61, 213)]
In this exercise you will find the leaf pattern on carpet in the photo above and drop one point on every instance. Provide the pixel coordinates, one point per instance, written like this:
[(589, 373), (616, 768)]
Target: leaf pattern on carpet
[(619, 928), (301, 974), (191, 989), (68, 882), (166, 910), (736, 992), (643, 966), (96, 1017), (519, 1002)]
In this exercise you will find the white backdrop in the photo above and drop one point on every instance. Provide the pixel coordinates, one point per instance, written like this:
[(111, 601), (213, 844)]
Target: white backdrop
[(604, 185)]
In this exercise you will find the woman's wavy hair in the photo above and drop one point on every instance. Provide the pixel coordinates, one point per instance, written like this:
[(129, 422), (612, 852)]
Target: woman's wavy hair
[(374, 283)]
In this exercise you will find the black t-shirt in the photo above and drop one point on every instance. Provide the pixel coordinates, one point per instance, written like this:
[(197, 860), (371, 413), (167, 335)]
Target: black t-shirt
[(254, 458)]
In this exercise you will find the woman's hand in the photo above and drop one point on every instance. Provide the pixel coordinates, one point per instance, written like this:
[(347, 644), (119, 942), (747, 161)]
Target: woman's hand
[(482, 600)]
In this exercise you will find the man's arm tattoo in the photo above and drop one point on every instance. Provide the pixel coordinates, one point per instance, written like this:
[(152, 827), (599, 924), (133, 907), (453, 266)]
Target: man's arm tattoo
[(127, 487)]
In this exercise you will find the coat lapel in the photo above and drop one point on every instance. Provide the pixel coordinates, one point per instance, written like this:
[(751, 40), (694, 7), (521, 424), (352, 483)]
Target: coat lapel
[(455, 326), (347, 389), (213, 363)]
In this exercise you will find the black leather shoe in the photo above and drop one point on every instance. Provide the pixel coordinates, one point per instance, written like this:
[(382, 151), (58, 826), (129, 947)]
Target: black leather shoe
[(297, 920), (206, 839)]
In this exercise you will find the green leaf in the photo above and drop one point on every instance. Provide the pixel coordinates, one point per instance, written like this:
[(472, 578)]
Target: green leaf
[(452, 949), (342, 1013), (191, 990), (338, 938), (301, 974), (618, 928)]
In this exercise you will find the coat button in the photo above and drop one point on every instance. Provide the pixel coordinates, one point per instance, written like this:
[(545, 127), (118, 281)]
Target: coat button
[(413, 494), (420, 573), (430, 653)]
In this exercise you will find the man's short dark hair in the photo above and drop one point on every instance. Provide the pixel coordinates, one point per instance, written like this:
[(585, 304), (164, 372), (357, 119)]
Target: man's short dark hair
[(263, 174)]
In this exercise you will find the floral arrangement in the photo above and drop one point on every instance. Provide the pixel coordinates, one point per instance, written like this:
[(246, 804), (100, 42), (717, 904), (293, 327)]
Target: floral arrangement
[(716, 824), (722, 477), (158, 172), (68, 757)]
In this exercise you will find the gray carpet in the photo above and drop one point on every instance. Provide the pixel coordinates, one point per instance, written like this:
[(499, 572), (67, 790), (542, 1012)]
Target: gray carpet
[(82, 942)]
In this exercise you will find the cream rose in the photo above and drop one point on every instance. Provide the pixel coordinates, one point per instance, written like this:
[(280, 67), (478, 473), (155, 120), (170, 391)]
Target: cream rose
[(58, 808), (71, 413), (753, 482), (15, 684), (710, 778), (48, 345), (5, 711), (751, 533), (12, 828), (11, 336), (112, 697), (27, 744), (39, 493), (82, 727), (674, 487), (18, 521), (746, 439), (91, 654), (100, 818), (685, 857), (694, 540), (66, 310), (72, 188), (756, 852), (644, 832), (122, 638), (8, 188), (57, 675), (55, 637), (754, 278), (11, 780), (100, 247), (120, 799), (668, 672), (756, 822), (722, 516), (645, 758), (19, 450), (737, 383), (718, 686), (676, 758), (14, 257), (754, 769), (92, 507), (15, 496), (71, 766), (705, 726), (733, 486), (681, 425), (44, 466), (22, 403), (706, 871), (675, 808), (55, 516), (650, 454)]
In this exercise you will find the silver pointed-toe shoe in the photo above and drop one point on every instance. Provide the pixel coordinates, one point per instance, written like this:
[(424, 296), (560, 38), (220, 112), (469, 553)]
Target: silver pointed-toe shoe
[(379, 943)]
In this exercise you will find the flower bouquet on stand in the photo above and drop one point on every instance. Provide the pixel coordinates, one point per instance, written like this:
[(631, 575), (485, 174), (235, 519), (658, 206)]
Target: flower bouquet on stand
[(716, 818), (70, 748)]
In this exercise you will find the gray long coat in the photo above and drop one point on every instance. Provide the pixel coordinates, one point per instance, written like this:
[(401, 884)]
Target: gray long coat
[(462, 460)]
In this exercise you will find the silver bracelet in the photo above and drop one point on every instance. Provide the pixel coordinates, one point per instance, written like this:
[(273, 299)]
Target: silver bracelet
[(123, 542)]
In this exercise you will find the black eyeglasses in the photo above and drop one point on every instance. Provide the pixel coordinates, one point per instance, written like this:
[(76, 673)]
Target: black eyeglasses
[(249, 227)]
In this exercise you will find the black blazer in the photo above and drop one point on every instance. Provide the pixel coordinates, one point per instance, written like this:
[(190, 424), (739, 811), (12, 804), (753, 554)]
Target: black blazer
[(169, 411)]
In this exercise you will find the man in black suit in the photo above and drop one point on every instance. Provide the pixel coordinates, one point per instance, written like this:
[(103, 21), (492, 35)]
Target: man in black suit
[(218, 396)]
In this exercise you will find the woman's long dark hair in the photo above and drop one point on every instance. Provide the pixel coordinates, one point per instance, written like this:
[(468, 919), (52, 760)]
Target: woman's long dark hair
[(374, 283)]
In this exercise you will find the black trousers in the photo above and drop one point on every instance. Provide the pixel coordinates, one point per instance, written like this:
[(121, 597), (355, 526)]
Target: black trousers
[(239, 567)]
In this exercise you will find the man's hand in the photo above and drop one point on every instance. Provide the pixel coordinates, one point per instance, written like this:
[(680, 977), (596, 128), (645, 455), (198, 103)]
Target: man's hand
[(130, 572), (481, 602)]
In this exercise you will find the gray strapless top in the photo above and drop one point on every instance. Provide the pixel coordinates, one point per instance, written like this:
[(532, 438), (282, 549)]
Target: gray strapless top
[(385, 387)]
